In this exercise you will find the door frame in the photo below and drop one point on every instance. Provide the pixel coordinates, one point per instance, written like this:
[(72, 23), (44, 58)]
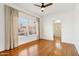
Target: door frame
[(54, 21)]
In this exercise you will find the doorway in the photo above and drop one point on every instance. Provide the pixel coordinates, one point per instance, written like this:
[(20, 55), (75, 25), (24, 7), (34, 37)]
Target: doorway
[(57, 32)]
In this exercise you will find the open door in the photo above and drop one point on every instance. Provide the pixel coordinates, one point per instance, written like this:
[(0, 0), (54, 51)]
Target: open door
[(57, 32)]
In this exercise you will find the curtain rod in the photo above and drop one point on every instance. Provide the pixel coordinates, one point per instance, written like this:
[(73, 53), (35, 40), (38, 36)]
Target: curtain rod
[(21, 10)]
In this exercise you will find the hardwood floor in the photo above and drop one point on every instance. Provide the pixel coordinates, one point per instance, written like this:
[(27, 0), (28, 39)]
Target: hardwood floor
[(42, 48)]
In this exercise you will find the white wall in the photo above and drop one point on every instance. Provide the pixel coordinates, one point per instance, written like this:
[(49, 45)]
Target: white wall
[(2, 30), (47, 28), (76, 26), (66, 20)]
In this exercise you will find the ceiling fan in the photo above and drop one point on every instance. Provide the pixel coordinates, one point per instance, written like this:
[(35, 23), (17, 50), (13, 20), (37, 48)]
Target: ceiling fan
[(43, 6)]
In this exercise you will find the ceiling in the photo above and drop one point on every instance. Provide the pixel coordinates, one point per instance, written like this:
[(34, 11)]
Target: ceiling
[(55, 8)]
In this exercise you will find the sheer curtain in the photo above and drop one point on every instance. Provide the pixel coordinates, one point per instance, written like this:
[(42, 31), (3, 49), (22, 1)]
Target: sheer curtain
[(11, 28)]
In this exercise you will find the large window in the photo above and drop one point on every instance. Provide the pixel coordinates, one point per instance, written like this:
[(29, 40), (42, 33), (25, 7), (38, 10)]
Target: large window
[(26, 25)]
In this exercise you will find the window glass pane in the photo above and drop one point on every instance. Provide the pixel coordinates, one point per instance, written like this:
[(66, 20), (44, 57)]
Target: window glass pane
[(22, 23)]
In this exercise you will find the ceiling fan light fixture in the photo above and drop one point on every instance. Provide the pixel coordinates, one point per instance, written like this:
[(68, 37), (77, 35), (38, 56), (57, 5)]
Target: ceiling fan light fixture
[(43, 6), (42, 9)]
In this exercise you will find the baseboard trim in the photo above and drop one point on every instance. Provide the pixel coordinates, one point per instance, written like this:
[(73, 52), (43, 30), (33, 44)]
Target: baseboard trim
[(2, 51)]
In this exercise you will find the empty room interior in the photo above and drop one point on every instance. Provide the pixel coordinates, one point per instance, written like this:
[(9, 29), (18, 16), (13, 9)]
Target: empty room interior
[(39, 29)]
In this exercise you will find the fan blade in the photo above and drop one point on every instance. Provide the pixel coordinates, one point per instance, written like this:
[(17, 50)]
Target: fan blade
[(48, 4), (37, 5)]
